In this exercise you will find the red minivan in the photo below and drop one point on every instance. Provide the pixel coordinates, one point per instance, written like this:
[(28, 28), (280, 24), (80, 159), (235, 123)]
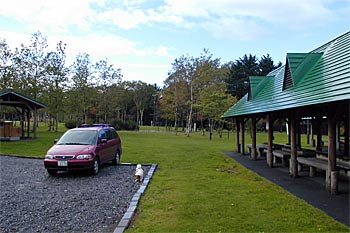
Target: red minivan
[(84, 148)]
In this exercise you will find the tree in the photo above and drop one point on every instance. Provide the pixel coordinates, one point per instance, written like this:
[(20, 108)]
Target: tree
[(56, 79), (6, 69), (266, 65), (29, 68), (213, 101), (142, 97), (82, 86), (211, 97), (183, 73), (242, 68), (106, 77), (239, 72), (173, 101)]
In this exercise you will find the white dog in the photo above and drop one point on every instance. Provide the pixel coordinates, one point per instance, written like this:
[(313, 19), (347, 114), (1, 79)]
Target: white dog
[(138, 173)]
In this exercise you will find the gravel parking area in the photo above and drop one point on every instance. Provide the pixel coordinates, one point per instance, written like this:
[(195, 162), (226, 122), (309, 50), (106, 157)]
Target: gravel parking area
[(33, 201)]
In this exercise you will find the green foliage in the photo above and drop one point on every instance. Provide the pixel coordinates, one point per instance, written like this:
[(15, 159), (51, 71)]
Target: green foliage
[(125, 125), (240, 70), (71, 124)]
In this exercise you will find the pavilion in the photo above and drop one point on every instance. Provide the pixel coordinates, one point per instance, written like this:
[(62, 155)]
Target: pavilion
[(313, 85), (24, 106)]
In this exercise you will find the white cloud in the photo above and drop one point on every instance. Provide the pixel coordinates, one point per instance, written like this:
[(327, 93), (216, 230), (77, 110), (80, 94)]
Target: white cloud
[(124, 19), (149, 73), (62, 15), (222, 17), (49, 15), (116, 49)]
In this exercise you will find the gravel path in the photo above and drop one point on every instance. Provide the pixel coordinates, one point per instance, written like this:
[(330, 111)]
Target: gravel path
[(33, 201)]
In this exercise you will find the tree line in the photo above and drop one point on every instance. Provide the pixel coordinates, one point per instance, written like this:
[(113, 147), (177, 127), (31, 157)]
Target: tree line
[(196, 91)]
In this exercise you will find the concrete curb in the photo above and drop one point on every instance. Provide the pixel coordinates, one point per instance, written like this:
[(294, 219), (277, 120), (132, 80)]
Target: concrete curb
[(126, 219)]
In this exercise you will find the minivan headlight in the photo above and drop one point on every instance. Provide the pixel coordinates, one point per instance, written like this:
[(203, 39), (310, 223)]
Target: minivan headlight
[(49, 156), (84, 156)]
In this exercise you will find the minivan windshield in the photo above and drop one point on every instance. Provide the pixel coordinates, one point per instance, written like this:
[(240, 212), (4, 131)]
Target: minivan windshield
[(78, 137)]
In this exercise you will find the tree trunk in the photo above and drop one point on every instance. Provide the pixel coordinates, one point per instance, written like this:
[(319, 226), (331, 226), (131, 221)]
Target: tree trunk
[(56, 130), (189, 119), (141, 116)]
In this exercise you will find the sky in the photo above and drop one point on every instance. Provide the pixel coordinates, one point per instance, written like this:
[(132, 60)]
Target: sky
[(144, 37)]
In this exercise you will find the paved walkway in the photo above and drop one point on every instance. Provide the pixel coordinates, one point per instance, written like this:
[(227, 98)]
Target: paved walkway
[(311, 189)]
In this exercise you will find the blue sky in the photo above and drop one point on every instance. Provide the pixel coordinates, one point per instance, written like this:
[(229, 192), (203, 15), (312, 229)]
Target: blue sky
[(144, 37)]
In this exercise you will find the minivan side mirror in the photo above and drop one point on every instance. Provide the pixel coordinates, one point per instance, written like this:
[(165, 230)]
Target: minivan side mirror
[(55, 141)]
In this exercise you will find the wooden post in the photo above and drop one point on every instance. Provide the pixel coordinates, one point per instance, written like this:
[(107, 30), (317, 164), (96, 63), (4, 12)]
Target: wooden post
[(319, 133), (346, 134), (298, 132), (242, 136), (337, 136), (293, 160), (238, 148), (253, 154), (35, 122), (22, 121), (308, 131), (334, 182), (331, 120), (28, 123), (269, 155), (312, 134), (289, 139)]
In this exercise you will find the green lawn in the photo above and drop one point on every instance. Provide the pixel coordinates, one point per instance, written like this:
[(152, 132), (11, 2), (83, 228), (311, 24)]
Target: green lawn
[(196, 188)]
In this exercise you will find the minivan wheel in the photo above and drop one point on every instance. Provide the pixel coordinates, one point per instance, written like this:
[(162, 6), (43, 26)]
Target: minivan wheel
[(96, 167), (116, 159)]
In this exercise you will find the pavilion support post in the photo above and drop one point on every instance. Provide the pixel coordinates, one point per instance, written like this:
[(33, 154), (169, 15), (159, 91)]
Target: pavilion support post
[(332, 173), (298, 132), (269, 155), (312, 133), (22, 121), (28, 124), (337, 133), (242, 137), (238, 148), (308, 131), (289, 138), (35, 122), (319, 133), (293, 165), (346, 134), (253, 154)]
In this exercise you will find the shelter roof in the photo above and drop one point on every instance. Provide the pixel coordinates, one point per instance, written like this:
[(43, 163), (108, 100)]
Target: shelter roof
[(13, 98), (317, 77)]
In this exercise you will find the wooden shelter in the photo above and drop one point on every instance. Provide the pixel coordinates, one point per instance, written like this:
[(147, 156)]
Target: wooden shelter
[(313, 85), (24, 106)]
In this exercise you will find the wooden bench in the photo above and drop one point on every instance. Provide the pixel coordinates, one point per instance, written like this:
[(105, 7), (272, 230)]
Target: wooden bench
[(313, 163), (260, 149), (284, 156), (302, 152), (249, 146), (342, 164)]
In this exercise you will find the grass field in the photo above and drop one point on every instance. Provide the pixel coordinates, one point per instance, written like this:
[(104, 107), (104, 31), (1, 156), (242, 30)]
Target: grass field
[(196, 188)]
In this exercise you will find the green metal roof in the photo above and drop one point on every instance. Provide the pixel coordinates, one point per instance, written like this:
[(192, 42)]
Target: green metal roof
[(320, 76)]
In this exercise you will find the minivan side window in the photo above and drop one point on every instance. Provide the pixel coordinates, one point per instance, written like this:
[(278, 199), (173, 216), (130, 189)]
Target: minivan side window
[(102, 135), (111, 134)]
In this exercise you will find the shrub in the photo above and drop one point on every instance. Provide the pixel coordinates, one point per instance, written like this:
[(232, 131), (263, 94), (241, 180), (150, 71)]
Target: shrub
[(125, 125), (71, 124)]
